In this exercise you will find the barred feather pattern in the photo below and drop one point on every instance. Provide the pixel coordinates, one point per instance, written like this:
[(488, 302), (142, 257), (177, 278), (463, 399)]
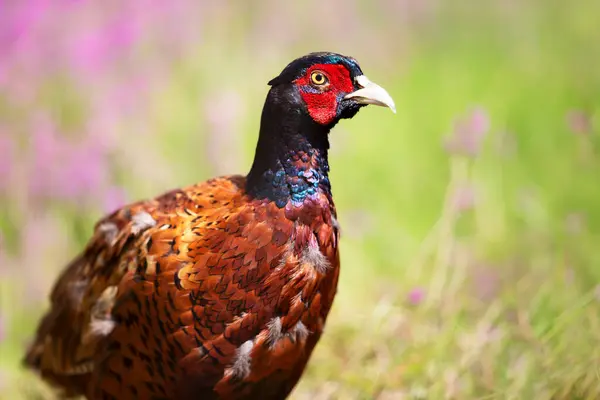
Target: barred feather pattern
[(204, 292)]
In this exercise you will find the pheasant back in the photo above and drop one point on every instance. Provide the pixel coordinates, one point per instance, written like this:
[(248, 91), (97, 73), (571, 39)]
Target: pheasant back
[(221, 289)]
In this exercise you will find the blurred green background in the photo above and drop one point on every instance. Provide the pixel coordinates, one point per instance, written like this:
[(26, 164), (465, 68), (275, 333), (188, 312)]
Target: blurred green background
[(468, 219)]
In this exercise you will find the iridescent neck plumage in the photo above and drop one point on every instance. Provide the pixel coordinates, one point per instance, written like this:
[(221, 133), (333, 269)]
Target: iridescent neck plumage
[(290, 163)]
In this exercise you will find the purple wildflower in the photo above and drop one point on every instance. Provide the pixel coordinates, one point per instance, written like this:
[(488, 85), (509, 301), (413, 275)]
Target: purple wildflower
[(416, 296), (65, 169), (468, 134), (579, 122), (114, 198), (221, 113)]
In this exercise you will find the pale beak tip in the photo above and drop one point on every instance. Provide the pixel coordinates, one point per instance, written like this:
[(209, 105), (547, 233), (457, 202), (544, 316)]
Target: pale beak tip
[(370, 93)]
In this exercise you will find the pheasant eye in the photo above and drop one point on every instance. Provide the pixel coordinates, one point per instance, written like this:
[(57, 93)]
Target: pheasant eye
[(318, 78)]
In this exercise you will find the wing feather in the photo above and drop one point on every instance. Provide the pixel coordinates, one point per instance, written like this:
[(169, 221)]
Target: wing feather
[(82, 298)]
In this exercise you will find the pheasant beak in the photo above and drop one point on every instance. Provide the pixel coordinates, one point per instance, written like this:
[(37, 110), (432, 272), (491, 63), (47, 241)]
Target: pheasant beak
[(371, 93)]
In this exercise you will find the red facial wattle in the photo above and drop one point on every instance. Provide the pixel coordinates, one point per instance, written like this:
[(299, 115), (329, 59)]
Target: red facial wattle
[(322, 102)]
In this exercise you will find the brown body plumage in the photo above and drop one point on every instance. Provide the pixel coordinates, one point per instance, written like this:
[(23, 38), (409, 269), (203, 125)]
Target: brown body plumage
[(217, 290), (194, 314)]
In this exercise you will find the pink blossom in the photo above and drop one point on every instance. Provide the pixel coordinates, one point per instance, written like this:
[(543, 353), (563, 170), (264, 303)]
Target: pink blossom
[(114, 198), (579, 122), (99, 47), (416, 296), (63, 168), (468, 134), (221, 112)]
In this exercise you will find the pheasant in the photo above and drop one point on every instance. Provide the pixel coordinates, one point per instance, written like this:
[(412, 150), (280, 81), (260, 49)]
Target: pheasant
[(219, 290)]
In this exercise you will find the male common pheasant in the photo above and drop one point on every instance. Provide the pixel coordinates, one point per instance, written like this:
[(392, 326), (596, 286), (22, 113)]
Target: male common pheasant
[(220, 289)]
